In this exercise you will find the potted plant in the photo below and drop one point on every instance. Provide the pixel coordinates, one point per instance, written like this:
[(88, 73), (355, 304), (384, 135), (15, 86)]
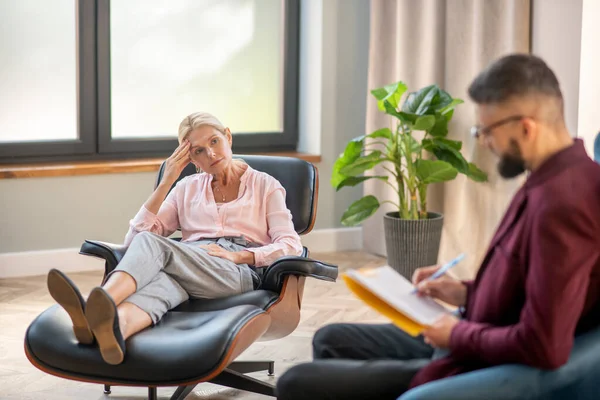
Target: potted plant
[(415, 153)]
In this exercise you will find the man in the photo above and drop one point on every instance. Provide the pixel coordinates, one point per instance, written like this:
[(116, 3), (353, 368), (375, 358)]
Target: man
[(538, 285)]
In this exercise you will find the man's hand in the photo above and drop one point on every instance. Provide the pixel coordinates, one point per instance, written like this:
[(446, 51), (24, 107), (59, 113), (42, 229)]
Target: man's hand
[(237, 257), (444, 288), (438, 335)]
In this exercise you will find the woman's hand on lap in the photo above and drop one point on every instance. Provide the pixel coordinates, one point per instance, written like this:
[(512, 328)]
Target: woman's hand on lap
[(237, 257)]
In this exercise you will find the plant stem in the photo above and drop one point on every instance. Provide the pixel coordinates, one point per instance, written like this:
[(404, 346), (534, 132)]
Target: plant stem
[(375, 143), (423, 198), (399, 181), (391, 202), (414, 209), (411, 181), (402, 209), (390, 171), (392, 186), (422, 188)]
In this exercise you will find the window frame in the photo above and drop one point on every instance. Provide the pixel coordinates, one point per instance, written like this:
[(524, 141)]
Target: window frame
[(85, 111), (93, 101)]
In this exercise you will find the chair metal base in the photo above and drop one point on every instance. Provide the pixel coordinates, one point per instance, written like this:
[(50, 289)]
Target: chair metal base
[(245, 367), (232, 376)]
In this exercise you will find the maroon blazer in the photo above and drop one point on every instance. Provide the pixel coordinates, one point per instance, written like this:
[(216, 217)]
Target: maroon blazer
[(539, 283)]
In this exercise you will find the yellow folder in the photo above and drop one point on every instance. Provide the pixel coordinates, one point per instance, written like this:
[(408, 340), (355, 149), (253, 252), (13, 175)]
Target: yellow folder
[(399, 319)]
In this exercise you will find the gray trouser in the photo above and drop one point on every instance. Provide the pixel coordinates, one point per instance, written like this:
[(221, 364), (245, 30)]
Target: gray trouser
[(168, 272)]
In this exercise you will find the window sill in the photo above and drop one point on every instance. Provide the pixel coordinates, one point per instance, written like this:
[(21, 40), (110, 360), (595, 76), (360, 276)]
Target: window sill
[(105, 167)]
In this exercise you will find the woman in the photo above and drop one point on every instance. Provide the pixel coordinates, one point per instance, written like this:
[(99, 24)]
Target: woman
[(230, 215)]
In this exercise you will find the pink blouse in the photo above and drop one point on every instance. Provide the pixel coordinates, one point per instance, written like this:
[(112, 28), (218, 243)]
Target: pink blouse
[(259, 214)]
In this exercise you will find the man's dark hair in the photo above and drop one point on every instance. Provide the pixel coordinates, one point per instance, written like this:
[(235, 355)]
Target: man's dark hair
[(514, 75)]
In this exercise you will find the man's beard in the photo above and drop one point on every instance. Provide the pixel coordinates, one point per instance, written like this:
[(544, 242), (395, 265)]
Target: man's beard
[(511, 163)]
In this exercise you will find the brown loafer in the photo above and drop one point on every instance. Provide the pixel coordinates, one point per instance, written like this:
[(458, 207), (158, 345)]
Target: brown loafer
[(103, 319), (65, 293)]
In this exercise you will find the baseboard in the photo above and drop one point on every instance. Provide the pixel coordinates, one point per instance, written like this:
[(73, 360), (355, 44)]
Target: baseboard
[(331, 240), (39, 262)]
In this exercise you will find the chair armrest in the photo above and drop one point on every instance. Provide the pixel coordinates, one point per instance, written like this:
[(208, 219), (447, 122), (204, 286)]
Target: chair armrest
[(112, 253), (299, 266)]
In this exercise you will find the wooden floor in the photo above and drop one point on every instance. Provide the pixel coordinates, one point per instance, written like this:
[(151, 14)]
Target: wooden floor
[(21, 300)]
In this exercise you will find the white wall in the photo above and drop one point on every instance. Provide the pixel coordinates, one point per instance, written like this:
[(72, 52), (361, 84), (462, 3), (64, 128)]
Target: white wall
[(345, 57), (556, 37), (589, 74), (565, 33)]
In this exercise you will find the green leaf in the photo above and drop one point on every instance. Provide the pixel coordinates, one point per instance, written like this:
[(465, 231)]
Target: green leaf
[(361, 164), (360, 210), (419, 102), (453, 157), (351, 153), (336, 175), (476, 174), (450, 107), (355, 180), (441, 100), (395, 92), (390, 110), (413, 145), (424, 123), (440, 129), (353, 149), (381, 133), (449, 151), (432, 171), (430, 144), (408, 117), (390, 93), (379, 93)]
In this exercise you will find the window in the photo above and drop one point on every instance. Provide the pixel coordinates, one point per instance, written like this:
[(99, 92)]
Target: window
[(93, 79)]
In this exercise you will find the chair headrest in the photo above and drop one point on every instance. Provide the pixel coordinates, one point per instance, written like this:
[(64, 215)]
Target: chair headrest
[(298, 177)]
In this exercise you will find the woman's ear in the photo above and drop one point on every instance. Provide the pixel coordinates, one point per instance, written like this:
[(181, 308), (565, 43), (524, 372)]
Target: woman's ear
[(229, 136)]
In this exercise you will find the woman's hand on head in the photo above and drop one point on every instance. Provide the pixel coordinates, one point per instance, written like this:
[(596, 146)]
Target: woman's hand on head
[(177, 162)]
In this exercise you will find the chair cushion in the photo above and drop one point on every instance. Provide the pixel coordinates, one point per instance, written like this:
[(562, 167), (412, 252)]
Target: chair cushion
[(182, 347), (258, 298)]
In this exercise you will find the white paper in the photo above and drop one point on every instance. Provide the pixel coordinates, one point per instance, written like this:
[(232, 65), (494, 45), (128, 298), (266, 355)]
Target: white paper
[(396, 290)]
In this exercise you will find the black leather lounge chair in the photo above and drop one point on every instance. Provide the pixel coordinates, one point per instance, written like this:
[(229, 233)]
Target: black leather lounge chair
[(200, 340)]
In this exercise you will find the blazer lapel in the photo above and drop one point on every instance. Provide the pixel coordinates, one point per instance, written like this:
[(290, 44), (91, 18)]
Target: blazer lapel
[(517, 206)]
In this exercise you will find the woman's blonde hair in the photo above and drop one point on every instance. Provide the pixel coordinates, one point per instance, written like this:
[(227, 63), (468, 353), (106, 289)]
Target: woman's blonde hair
[(196, 120)]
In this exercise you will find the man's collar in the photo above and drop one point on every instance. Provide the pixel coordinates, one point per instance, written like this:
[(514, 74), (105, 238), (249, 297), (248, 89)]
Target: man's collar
[(557, 163)]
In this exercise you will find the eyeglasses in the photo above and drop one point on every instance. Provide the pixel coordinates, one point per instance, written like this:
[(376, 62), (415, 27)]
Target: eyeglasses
[(478, 132)]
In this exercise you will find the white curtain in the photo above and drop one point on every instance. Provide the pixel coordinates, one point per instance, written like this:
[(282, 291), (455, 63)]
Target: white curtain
[(447, 42)]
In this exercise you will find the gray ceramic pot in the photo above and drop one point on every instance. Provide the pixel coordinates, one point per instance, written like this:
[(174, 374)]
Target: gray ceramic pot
[(411, 244)]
